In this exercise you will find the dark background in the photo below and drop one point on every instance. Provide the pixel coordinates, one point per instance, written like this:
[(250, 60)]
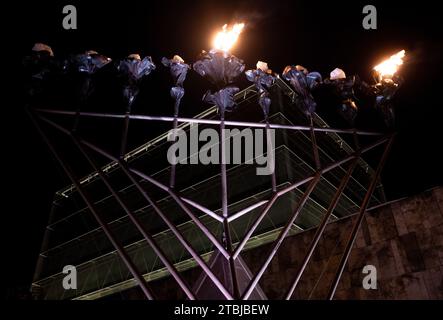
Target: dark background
[(317, 35)]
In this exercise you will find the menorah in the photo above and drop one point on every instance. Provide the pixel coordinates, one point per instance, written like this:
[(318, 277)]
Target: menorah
[(221, 68)]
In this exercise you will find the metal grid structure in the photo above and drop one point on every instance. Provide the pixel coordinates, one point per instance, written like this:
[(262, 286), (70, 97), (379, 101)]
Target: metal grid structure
[(165, 230)]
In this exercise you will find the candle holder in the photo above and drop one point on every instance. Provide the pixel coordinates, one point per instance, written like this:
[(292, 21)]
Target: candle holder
[(263, 79), (384, 93), (84, 66), (343, 87), (132, 69), (178, 69), (303, 83), (40, 65), (221, 69), (387, 84)]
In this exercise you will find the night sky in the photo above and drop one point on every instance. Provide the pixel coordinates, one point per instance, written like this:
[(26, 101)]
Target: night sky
[(317, 35)]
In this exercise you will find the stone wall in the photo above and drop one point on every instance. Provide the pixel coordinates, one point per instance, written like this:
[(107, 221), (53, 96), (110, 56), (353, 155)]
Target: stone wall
[(403, 240)]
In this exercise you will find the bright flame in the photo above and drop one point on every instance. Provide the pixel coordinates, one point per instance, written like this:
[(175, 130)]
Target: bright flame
[(225, 39), (390, 66)]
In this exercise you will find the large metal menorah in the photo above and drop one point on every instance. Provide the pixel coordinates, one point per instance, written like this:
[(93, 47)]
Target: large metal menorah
[(237, 282)]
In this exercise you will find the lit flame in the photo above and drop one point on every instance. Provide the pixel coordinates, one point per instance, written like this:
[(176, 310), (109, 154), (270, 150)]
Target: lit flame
[(390, 66), (225, 39)]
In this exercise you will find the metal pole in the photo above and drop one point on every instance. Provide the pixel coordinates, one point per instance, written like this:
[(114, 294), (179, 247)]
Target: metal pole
[(244, 211), (356, 142), (174, 135), (148, 237), (321, 228), (202, 227), (270, 153), (251, 230), (211, 121), (314, 145), (125, 132), (224, 193), (281, 237), (76, 120), (118, 247), (356, 227)]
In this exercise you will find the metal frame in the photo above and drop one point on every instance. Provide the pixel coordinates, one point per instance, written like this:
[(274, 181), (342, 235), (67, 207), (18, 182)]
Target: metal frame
[(224, 246)]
